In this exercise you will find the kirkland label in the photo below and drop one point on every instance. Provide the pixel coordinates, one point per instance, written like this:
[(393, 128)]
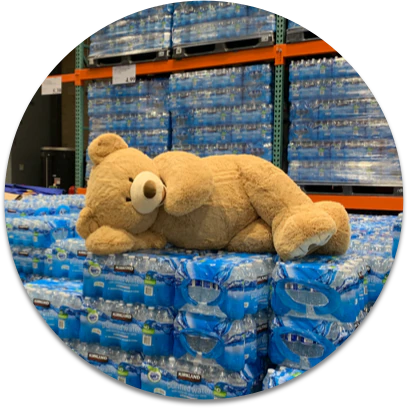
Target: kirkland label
[(23, 227), (191, 377), (82, 254), (42, 303), (100, 358), (23, 253), (124, 269), (124, 317), (262, 279)]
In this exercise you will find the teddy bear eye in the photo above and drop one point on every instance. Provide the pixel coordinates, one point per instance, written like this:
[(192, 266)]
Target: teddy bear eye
[(130, 179), (128, 199)]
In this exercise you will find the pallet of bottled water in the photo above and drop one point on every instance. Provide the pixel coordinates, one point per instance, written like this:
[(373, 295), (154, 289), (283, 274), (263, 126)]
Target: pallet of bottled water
[(68, 257), (59, 302), (129, 327), (138, 277), (341, 172), (321, 287), (396, 233), (217, 24), (223, 111), (234, 285), (62, 259), (321, 68), (335, 109), (296, 33), (338, 133), (203, 332), (382, 150), (120, 365), (138, 112), (375, 239), (340, 130), (223, 86), (301, 343), (196, 378), (40, 231), (44, 205), (143, 36), (280, 375)]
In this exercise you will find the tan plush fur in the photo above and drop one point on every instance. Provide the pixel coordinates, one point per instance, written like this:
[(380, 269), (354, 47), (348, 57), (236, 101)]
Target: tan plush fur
[(240, 203), (341, 239)]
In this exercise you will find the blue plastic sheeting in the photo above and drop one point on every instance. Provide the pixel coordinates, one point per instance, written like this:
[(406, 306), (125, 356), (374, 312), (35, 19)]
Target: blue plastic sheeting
[(20, 189)]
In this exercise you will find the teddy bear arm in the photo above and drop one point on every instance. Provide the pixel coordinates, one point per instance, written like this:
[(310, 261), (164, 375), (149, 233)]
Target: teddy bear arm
[(188, 180), (107, 240), (86, 223), (148, 240)]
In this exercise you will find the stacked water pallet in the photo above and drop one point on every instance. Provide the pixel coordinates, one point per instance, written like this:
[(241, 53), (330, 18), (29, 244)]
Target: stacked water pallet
[(223, 111), (203, 27), (42, 236), (139, 37), (197, 324), (138, 112), (319, 301), (338, 133)]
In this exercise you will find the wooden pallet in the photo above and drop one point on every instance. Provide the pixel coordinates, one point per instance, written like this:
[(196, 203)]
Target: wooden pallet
[(237, 44), (130, 58)]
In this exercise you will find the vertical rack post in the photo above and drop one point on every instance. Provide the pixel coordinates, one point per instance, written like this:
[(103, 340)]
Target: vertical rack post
[(279, 97), (79, 120)]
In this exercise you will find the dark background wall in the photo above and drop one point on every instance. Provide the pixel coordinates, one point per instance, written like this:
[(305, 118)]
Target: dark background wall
[(40, 126)]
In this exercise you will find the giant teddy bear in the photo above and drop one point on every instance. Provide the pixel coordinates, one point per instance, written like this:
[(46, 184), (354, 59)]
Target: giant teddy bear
[(235, 202)]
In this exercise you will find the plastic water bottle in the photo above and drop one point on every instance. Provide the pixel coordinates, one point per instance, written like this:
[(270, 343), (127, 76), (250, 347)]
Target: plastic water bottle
[(172, 366), (250, 338)]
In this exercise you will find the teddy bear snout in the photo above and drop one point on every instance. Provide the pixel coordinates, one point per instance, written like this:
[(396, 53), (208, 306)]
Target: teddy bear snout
[(147, 192), (149, 189)]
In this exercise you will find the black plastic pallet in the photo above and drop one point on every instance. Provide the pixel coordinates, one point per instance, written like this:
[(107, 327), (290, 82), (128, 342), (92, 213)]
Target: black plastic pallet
[(132, 58), (351, 189), (237, 44), (299, 34)]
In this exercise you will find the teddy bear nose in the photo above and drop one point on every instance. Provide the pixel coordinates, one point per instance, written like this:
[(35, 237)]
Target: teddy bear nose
[(149, 189), (147, 192)]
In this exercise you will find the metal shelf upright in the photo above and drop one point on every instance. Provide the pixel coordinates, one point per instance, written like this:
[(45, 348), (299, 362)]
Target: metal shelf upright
[(279, 93), (79, 118)]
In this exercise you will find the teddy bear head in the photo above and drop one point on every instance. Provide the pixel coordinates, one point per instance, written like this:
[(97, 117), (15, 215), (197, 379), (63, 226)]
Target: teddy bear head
[(126, 188)]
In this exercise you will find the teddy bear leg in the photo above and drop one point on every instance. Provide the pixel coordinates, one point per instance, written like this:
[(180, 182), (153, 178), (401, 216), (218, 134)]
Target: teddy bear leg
[(255, 238), (298, 226), (106, 240), (340, 241)]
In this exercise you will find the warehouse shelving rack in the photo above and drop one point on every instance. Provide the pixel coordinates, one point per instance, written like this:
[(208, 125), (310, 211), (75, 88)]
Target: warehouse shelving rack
[(279, 54)]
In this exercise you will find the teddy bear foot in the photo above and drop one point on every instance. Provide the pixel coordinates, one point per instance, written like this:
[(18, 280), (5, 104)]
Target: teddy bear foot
[(302, 231), (340, 241), (310, 245)]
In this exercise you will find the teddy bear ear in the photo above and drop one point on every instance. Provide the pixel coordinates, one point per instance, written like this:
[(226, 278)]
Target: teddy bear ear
[(104, 145)]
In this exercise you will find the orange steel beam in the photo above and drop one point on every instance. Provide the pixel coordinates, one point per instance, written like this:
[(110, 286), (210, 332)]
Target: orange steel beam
[(65, 78), (360, 202), (278, 53), (185, 64), (316, 47)]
